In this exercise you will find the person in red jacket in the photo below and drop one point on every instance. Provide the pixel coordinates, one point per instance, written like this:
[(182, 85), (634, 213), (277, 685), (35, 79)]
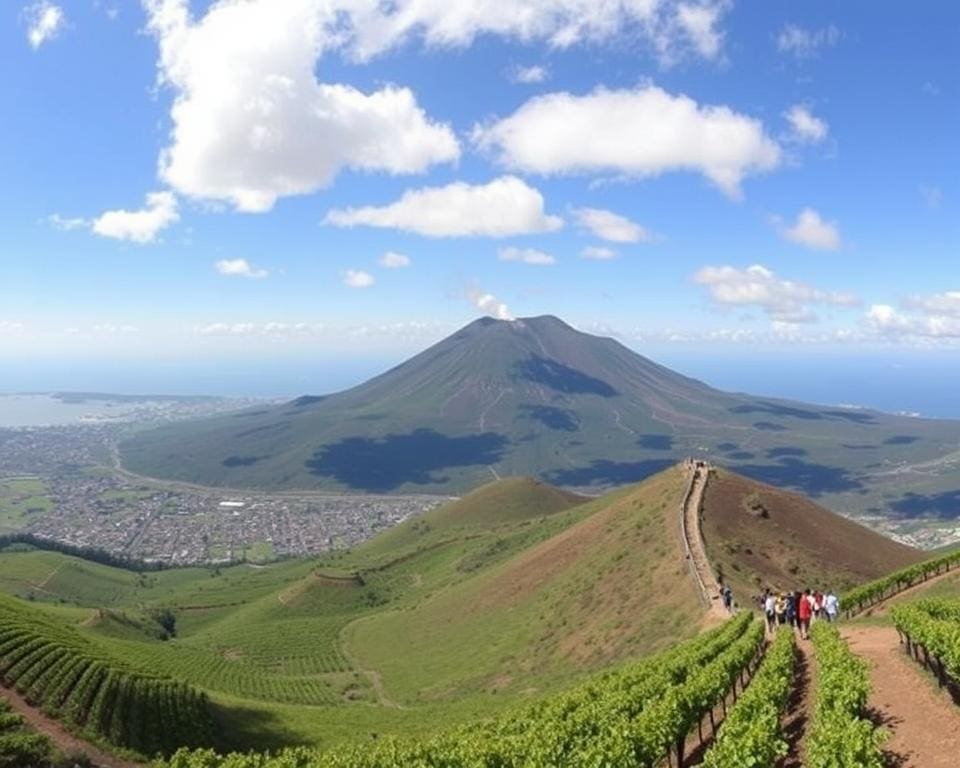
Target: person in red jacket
[(804, 611)]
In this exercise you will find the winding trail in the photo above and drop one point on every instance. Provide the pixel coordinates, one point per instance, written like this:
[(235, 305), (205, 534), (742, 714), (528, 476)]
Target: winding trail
[(693, 540), (60, 736), (924, 723)]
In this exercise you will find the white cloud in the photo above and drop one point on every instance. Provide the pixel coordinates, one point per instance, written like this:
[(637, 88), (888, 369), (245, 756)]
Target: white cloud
[(672, 29), (526, 256), (271, 329), (598, 253), (884, 320), (699, 22), (804, 43), (529, 75), (489, 304), (357, 278), (45, 21), (611, 226), (654, 132), (394, 260), (66, 224), (784, 301), (251, 122), (141, 226), (945, 304), (812, 231), (501, 208), (240, 268), (804, 127), (10, 327)]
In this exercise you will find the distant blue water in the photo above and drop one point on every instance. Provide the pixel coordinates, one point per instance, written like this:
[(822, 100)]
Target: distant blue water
[(925, 383), (915, 383)]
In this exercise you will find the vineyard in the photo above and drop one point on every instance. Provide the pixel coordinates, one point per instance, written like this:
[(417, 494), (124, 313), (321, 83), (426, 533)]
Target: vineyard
[(874, 592), (635, 716), (931, 630), (19, 747), (58, 670)]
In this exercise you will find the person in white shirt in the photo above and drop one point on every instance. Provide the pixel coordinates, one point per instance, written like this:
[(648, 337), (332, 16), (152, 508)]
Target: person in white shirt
[(831, 606)]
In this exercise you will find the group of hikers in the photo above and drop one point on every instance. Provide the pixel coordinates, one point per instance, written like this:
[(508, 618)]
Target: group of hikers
[(799, 609)]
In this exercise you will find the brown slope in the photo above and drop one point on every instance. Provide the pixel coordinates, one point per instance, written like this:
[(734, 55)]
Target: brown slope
[(758, 535)]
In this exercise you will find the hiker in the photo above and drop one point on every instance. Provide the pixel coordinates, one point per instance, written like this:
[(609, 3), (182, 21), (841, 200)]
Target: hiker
[(726, 595), (817, 604), (831, 606), (769, 608), (780, 607), (804, 612), (791, 609)]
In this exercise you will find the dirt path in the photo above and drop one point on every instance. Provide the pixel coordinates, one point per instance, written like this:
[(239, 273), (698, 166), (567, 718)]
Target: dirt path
[(694, 543), (373, 677), (924, 723), (60, 736), (796, 721)]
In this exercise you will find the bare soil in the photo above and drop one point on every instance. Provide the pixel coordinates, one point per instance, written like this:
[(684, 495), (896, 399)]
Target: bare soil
[(64, 740), (924, 723), (796, 721)]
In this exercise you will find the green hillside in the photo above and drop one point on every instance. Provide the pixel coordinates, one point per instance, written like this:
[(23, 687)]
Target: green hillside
[(536, 397), (514, 591)]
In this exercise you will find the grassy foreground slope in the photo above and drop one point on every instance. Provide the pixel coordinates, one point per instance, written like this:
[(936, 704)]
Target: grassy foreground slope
[(758, 536), (518, 588), (611, 586)]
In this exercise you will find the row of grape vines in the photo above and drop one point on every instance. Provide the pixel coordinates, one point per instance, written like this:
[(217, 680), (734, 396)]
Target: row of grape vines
[(633, 716), (873, 592), (57, 669), (840, 735), (20, 747), (221, 671), (932, 627), (751, 733)]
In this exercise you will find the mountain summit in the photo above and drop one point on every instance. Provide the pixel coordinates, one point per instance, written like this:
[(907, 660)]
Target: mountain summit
[(531, 396)]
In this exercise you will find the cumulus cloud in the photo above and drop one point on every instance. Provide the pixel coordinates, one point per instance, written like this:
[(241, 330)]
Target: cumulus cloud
[(240, 268), (805, 43), (394, 260), (140, 226), (610, 226), (357, 278), (45, 21), (804, 127), (654, 132), (488, 304), (812, 231), (526, 256), (529, 75), (501, 208), (784, 301), (598, 253), (700, 21), (251, 122)]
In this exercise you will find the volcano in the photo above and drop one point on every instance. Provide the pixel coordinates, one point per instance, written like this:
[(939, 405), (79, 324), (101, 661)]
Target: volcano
[(533, 397)]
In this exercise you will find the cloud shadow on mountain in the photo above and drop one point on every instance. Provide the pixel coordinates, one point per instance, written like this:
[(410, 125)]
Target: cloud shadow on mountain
[(561, 378), (656, 442), (812, 479), (945, 506), (552, 417), (385, 463), (604, 472)]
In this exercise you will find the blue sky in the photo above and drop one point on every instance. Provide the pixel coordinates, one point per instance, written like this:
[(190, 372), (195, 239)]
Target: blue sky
[(194, 183)]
